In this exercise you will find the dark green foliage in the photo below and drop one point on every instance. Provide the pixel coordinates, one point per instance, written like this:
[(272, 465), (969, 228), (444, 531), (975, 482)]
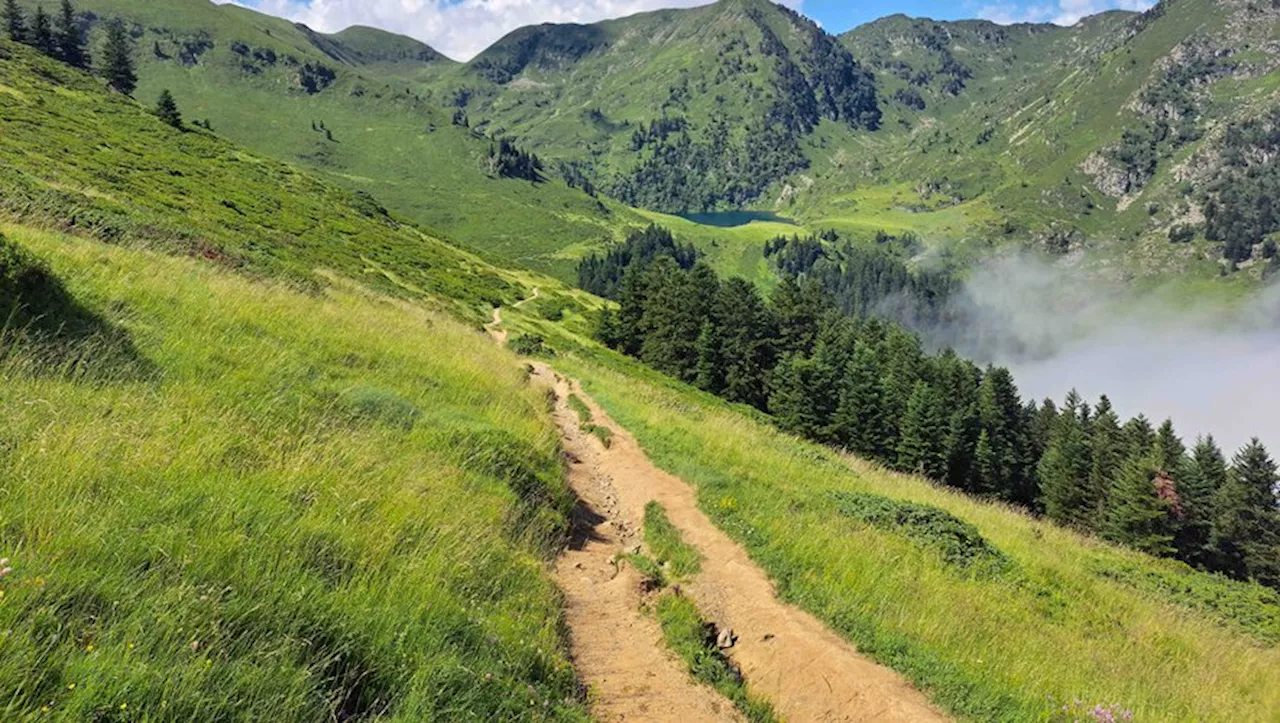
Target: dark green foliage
[(117, 59), (167, 110), (1249, 607), (1206, 474), (1067, 485), (866, 385), (922, 443), (1138, 515), (529, 345), (959, 543), (1240, 210), (602, 275), (70, 38), (1246, 523), (866, 281), (505, 160), (14, 22), (42, 37)]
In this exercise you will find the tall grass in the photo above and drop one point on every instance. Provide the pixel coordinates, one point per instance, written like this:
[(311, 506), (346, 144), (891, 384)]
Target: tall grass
[(1061, 617), (310, 508)]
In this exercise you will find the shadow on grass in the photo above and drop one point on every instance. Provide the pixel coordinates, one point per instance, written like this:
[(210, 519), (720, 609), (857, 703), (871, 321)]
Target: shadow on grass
[(45, 331)]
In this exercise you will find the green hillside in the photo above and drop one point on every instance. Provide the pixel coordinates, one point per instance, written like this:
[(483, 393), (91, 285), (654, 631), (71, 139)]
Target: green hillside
[(259, 463), (338, 104)]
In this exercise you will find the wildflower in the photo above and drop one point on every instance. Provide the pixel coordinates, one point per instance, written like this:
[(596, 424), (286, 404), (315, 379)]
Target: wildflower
[(71, 686), (88, 648), (132, 646), (124, 706), (195, 645)]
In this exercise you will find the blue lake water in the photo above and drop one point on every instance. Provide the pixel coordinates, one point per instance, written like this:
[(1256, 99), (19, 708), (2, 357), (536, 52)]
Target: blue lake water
[(730, 219)]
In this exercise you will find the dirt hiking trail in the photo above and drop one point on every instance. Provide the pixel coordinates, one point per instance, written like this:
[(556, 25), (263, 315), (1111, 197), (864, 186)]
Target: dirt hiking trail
[(786, 655)]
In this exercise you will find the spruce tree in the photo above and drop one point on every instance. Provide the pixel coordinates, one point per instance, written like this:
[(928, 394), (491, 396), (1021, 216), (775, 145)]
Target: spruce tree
[(167, 109), (1246, 524), (70, 38), (1106, 455), (14, 22), (117, 59), (961, 444), (709, 373), (1139, 437), (748, 342), (1064, 470), (1136, 515), (794, 393), (921, 443), (859, 422), (1000, 418), (1206, 473), (42, 34)]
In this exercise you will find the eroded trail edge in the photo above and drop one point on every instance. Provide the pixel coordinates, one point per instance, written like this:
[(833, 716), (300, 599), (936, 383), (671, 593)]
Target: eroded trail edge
[(616, 648), (805, 670)]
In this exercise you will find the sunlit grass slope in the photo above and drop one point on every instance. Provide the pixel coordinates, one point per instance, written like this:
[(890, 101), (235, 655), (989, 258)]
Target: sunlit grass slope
[(294, 506), (1008, 620)]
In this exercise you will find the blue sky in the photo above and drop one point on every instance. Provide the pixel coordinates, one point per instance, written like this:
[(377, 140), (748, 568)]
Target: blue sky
[(462, 28)]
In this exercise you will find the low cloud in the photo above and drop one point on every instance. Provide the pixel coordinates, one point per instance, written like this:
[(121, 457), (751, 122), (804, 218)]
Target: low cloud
[(1209, 365), (458, 28)]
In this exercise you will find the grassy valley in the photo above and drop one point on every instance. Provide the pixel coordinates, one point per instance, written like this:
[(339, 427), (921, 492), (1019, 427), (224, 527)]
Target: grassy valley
[(260, 461)]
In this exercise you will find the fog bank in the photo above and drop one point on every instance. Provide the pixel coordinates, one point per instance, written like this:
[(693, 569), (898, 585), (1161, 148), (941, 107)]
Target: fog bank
[(1212, 366)]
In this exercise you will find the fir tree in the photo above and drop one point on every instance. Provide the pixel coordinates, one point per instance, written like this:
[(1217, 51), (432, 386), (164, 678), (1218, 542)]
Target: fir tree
[(1246, 523), (167, 109), (42, 34), (961, 443), (1107, 454), (797, 308), (859, 422), (14, 22), (70, 38), (794, 392), (1205, 475), (1064, 470), (1000, 418), (117, 59), (1136, 514), (1139, 437), (921, 443), (709, 373), (747, 337)]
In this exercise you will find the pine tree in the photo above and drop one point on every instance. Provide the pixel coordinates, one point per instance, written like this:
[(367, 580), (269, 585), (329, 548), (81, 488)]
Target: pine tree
[(748, 337), (1136, 515), (961, 444), (1171, 453), (1246, 523), (797, 307), (117, 59), (70, 38), (1064, 470), (859, 422), (42, 34), (1205, 475), (167, 109), (921, 444), (1000, 418), (15, 23), (709, 373), (1106, 453), (794, 397), (1139, 437)]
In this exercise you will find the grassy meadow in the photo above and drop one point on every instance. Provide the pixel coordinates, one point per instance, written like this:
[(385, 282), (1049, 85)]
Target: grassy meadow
[(1049, 617), (287, 505)]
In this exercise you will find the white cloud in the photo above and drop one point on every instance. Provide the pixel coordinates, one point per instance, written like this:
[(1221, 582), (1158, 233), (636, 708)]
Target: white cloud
[(458, 28), (1061, 12)]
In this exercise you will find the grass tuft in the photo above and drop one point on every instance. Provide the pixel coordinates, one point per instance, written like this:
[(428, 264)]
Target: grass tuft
[(667, 545)]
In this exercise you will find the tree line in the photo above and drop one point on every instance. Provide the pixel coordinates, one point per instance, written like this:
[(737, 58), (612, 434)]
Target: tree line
[(63, 38), (864, 384)]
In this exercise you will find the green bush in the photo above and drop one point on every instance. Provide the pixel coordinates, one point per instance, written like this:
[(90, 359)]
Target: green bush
[(959, 542)]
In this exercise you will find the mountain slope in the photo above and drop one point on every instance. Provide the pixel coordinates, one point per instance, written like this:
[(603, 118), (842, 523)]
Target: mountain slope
[(675, 110), (340, 104)]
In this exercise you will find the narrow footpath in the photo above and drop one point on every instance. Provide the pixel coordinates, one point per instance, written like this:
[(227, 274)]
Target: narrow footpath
[(805, 670)]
